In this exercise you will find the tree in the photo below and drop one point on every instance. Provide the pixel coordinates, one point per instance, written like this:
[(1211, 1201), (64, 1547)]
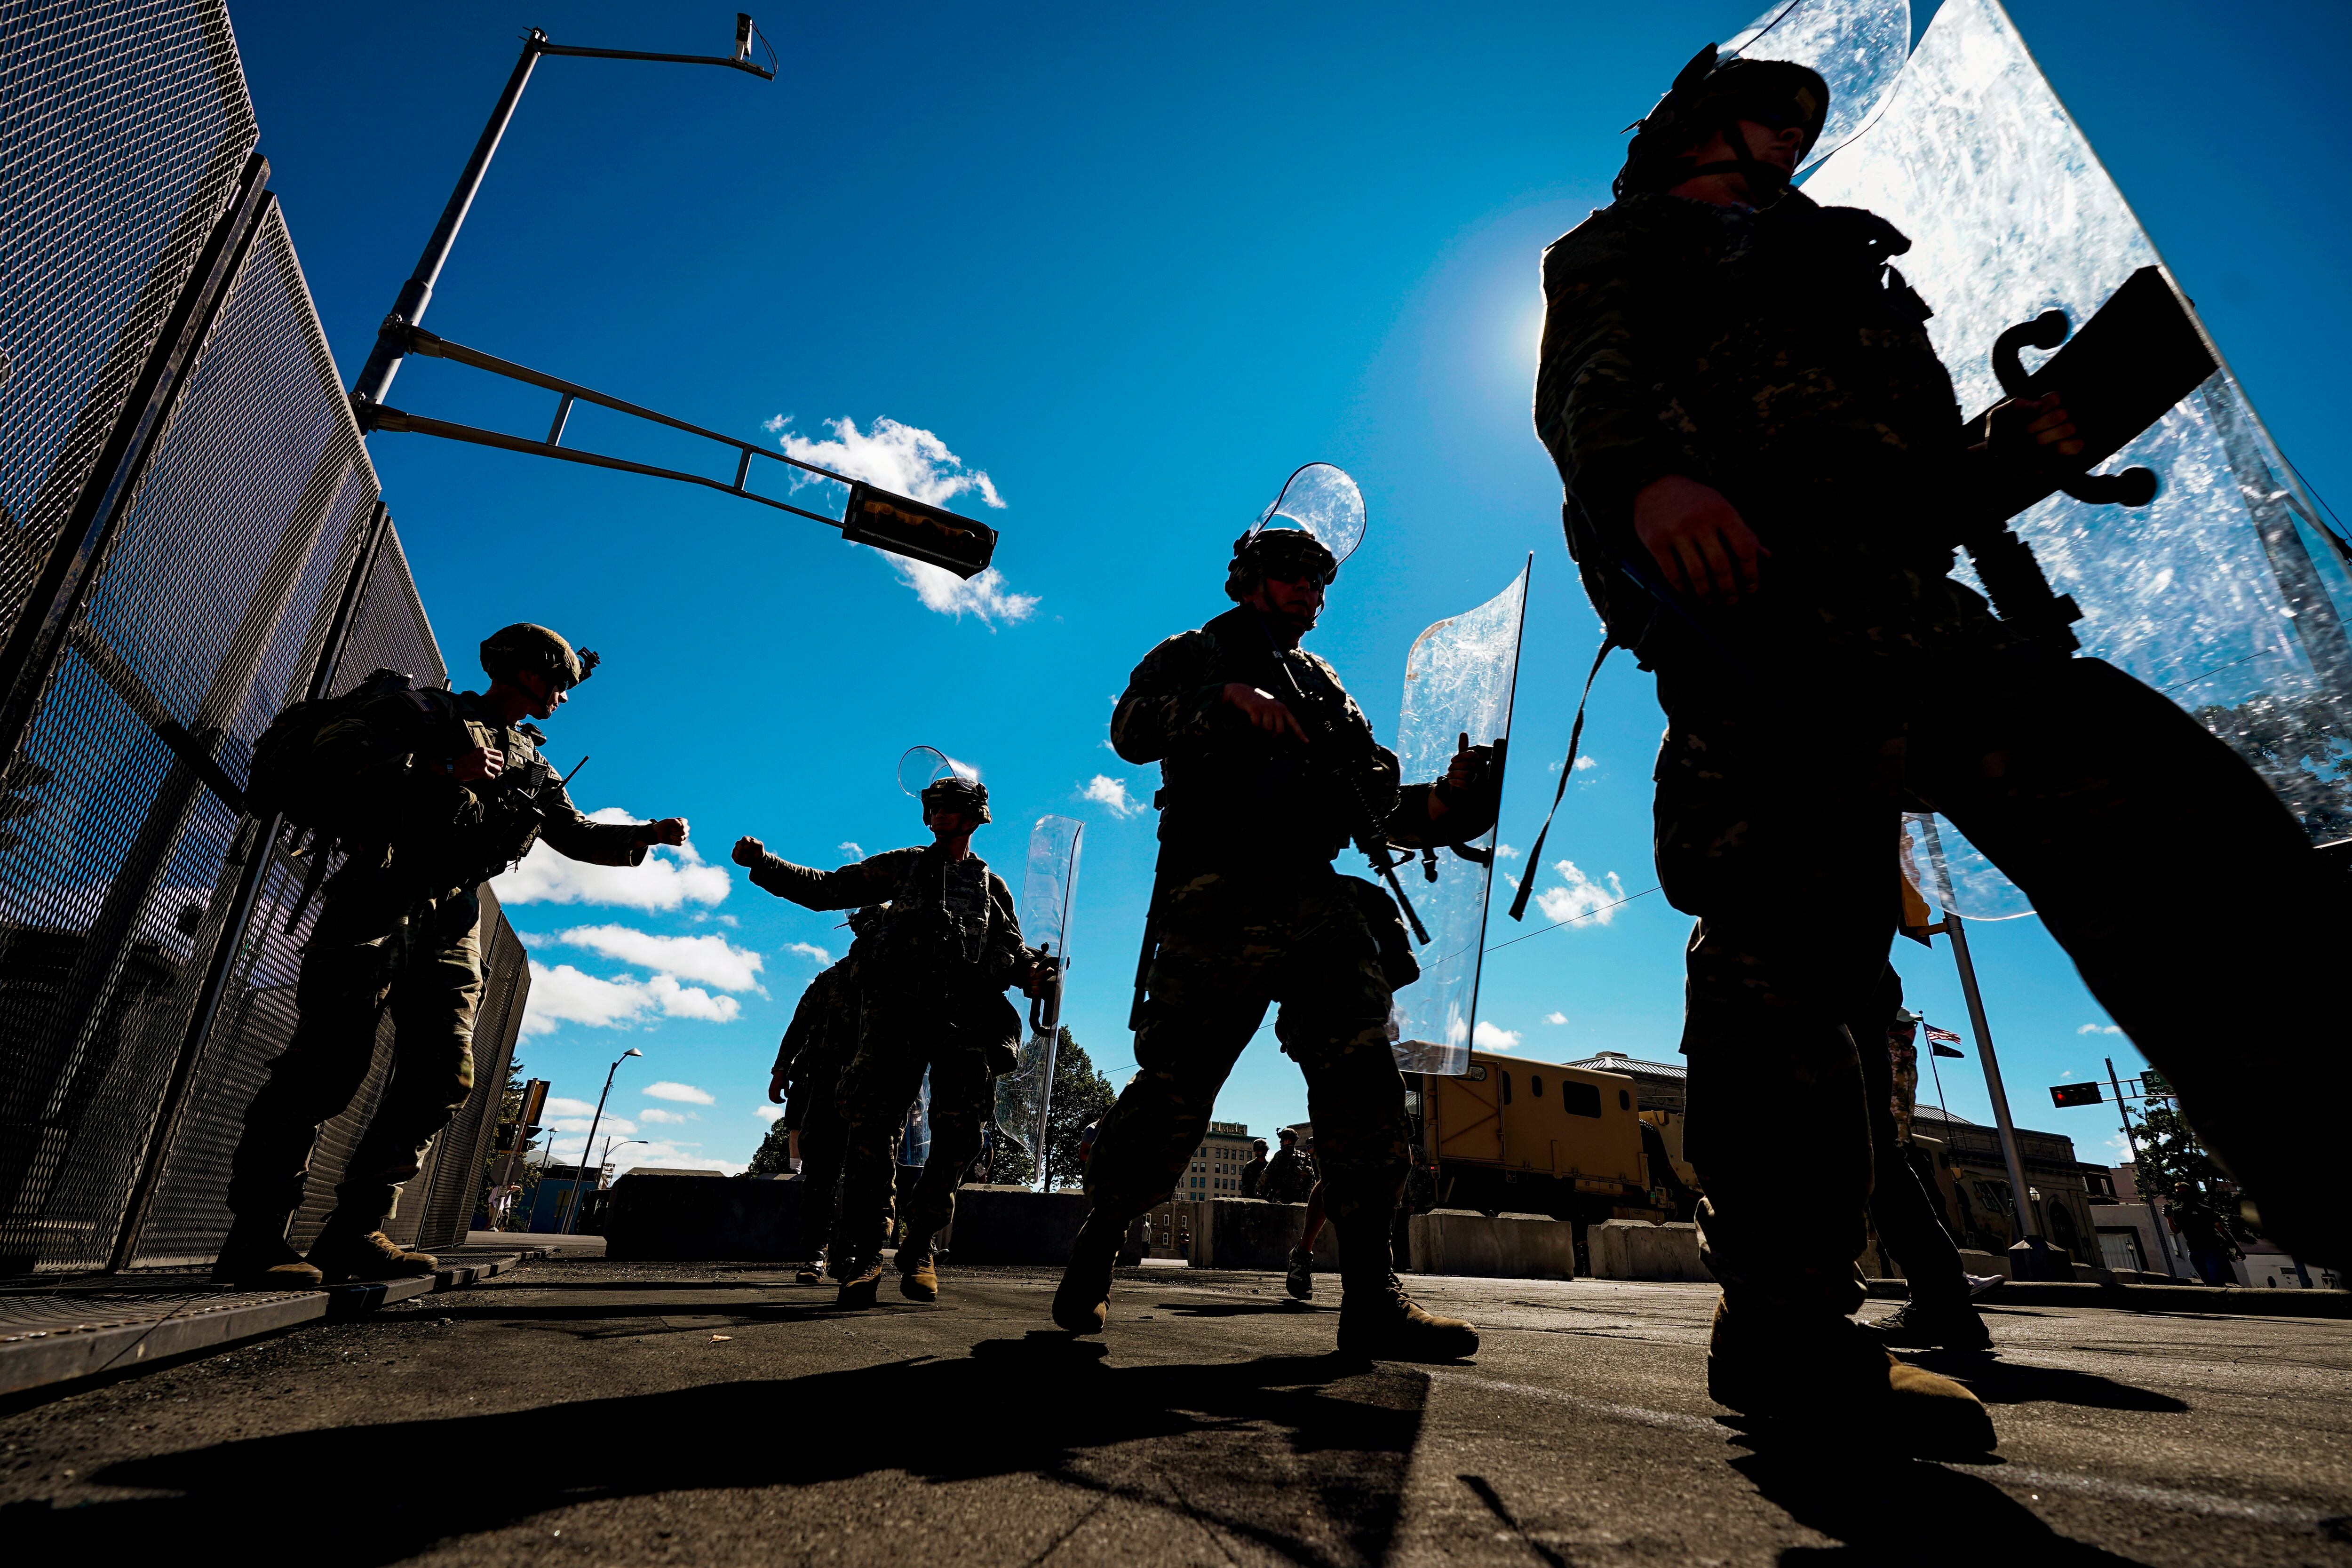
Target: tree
[(509, 1128), (774, 1155), (2174, 1167), (1081, 1095)]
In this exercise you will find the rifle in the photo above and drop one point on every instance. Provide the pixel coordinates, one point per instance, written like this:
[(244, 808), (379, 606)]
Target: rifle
[(1364, 827)]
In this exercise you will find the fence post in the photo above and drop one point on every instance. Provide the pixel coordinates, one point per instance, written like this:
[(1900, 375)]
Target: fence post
[(221, 965)]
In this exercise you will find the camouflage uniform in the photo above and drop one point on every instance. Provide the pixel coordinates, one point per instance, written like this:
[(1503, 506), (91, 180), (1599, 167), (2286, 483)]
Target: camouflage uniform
[(933, 989), (1776, 356), (815, 1049), (1249, 910), (1289, 1176), (398, 930)]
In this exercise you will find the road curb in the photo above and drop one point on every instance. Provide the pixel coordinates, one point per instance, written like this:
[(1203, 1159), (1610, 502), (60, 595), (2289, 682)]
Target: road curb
[(2226, 1301), (59, 1337)]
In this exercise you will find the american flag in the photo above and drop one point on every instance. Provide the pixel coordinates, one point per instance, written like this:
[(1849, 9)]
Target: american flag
[(1943, 1042), (1946, 1035)]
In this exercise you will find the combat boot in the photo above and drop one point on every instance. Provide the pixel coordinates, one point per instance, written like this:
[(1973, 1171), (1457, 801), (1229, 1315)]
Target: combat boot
[(1931, 1325), (1082, 1303), (861, 1280), (345, 1253), (918, 1270), (255, 1257), (809, 1272), (1300, 1280), (1379, 1321), (1826, 1377)]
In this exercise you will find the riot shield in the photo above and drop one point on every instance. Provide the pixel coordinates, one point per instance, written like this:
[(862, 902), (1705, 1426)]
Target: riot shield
[(1321, 499), (1953, 875), (1460, 679), (1025, 1098), (923, 766), (1857, 45)]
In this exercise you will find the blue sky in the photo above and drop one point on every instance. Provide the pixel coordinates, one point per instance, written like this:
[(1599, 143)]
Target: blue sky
[(1134, 266)]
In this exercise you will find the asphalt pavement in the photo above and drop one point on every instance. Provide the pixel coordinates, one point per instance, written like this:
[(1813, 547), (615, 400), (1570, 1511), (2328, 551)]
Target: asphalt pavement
[(591, 1412)]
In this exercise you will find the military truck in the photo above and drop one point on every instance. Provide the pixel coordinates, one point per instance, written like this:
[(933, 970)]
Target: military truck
[(1512, 1135)]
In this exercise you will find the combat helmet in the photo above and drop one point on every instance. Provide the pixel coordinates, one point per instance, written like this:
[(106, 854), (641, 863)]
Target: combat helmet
[(956, 793), (1711, 94), (938, 781), (526, 646)]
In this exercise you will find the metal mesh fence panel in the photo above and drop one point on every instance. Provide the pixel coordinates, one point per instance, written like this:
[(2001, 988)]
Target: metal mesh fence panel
[(204, 620), (438, 1209), (123, 127)]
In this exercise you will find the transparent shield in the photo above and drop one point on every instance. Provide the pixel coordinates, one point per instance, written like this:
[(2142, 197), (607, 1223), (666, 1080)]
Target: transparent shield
[(1323, 500), (1459, 680), (923, 766), (1953, 874), (1049, 884), (2227, 594), (1858, 45)]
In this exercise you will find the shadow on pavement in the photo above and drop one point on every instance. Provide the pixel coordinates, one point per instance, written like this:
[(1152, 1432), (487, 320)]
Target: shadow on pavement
[(2009, 1383), (1908, 1512), (1304, 1455)]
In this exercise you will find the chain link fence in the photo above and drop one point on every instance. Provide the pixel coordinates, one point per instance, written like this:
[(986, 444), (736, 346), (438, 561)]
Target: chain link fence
[(191, 537)]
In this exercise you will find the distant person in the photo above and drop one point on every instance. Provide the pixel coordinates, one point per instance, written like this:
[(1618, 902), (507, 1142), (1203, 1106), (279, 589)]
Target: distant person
[(933, 992), (433, 792), (1290, 1175), (806, 1081), (1299, 1279), (2202, 1235), (1254, 1172)]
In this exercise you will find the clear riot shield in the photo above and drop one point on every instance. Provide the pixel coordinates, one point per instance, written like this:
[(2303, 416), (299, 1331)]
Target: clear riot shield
[(2227, 594), (1460, 679), (1024, 1099), (1953, 875), (1857, 45)]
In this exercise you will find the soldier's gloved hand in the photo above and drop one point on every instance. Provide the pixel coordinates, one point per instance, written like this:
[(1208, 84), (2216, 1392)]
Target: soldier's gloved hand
[(2036, 431), (669, 830), (1698, 539), (776, 1085), (1468, 776), (1264, 710), (749, 851), (481, 762)]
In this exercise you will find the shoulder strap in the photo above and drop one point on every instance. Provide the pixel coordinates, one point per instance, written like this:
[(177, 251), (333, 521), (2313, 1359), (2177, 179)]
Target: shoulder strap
[(1567, 772)]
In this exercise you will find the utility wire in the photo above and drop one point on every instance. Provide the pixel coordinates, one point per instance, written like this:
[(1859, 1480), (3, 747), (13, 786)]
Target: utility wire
[(1574, 918)]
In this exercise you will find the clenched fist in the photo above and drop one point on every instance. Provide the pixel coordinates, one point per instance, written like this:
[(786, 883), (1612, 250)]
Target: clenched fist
[(749, 851)]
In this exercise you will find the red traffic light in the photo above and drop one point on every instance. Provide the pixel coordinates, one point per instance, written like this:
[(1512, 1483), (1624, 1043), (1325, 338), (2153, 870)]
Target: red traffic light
[(2067, 1094)]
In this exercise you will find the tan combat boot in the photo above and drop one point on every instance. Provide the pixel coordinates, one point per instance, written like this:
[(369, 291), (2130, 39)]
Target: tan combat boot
[(1828, 1375), (861, 1279), (1082, 1302), (255, 1257), (1379, 1321), (345, 1253), (918, 1270)]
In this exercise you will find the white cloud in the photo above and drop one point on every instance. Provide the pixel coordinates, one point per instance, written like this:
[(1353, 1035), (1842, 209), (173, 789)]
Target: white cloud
[(666, 879), (915, 463), (1580, 895), (684, 1092), (656, 1115), (850, 849), (2099, 1029), (709, 959), (564, 996), (811, 951), (1505, 852), (1487, 1038), (559, 1106), (659, 1151), (1554, 1018), (769, 1114), (1111, 795), (1587, 761)]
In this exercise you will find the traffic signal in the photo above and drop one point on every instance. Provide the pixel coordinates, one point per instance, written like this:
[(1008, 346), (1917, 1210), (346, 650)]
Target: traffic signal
[(2068, 1094)]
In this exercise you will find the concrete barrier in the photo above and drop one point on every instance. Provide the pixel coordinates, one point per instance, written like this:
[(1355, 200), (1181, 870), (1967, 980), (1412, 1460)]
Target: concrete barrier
[(677, 1217), (1015, 1225), (1635, 1249), (1503, 1246), (1253, 1233)]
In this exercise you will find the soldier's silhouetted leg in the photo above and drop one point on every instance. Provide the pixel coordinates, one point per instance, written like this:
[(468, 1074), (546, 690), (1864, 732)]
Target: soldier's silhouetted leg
[(824, 1135), (2190, 900), (434, 1000), (960, 1085), (878, 1085)]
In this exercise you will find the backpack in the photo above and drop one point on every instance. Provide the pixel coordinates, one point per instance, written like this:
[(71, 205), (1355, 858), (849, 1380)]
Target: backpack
[(286, 779)]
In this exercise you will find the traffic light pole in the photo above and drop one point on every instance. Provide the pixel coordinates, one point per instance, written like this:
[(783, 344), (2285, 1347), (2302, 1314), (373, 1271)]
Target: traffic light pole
[(2155, 1219)]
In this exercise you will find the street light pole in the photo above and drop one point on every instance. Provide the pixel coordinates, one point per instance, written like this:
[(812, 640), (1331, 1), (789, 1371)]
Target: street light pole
[(572, 1214), (2155, 1217), (408, 309)]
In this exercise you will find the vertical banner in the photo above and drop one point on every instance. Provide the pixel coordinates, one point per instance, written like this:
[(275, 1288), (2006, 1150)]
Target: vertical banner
[(1459, 680)]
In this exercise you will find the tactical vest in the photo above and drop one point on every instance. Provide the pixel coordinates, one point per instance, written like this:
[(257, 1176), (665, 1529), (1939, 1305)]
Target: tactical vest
[(938, 918)]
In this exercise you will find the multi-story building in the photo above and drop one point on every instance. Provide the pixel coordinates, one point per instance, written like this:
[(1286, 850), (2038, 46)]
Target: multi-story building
[(1216, 1168), (1972, 1182)]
